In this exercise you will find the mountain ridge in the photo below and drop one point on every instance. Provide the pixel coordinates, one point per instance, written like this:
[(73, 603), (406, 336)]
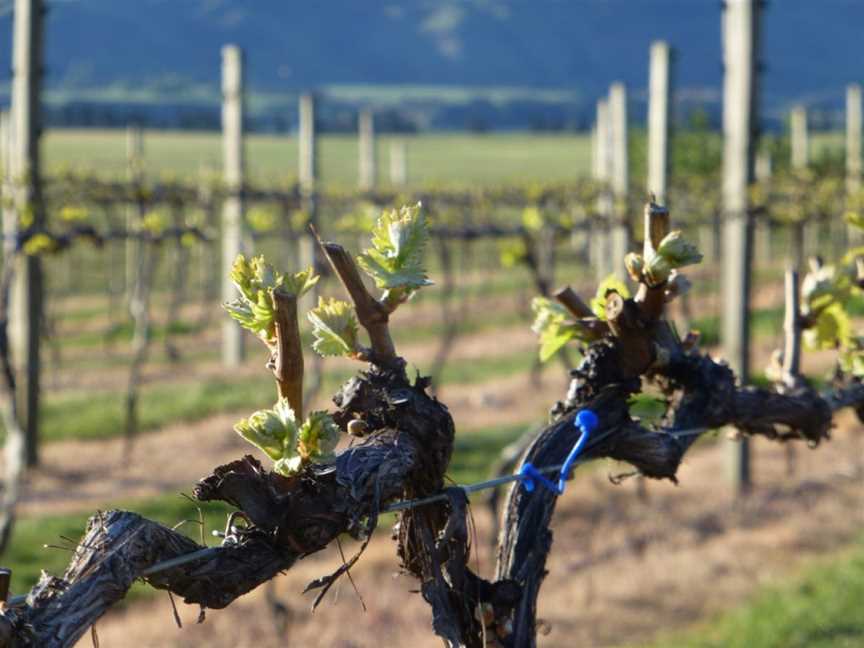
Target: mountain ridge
[(811, 50)]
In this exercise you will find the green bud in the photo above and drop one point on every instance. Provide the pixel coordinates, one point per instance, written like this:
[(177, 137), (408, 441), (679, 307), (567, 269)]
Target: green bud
[(241, 275), (274, 431), (678, 251), (634, 264), (658, 270)]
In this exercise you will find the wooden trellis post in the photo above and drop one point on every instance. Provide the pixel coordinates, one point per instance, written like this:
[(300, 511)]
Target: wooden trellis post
[(398, 163), (740, 92), (307, 145), (309, 159), (764, 230), (4, 144), (799, 144), (853, 147), (602, 162), (802, 232), (5, 171), (27, 289), (134, 172), (367, 161), (620, 233), (658, 120), (853, 137), (233, 161)]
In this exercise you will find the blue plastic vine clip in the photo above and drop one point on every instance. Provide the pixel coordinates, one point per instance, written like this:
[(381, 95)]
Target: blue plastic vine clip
[(587, 421), (529, 473)]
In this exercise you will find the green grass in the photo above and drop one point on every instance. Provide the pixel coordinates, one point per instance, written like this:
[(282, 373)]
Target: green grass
[(821, 608), (123, 332), (459, 158), (101, 415), (475, 451), (479, 370)]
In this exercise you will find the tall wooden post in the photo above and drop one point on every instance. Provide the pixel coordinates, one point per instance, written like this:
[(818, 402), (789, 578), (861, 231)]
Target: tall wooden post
[(802, 232), (799, 144), (4, 144), (309, 159), (307, 145), (658, 120), (740, 124), (398, 163), (602, 164), (233, 167), (134, 173), (853, 138), (26, 302), (620, 235), (764, 230), (5, 171), (367, 160), (853, 150)]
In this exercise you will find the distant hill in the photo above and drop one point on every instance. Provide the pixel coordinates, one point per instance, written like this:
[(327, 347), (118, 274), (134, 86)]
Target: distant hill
[(169, 49)]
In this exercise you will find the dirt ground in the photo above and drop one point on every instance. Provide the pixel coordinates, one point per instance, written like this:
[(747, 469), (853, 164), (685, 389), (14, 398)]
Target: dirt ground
[(622, 567)]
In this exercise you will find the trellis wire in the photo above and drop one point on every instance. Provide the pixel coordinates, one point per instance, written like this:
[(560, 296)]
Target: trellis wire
[(207, 552)]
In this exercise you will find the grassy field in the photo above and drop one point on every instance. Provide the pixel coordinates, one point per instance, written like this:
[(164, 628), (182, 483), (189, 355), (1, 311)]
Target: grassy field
[(447, 158), (821, 608), (432, 158)]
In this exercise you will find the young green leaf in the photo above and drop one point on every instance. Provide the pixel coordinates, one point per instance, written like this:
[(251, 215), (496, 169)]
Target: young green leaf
[(850, 257), (38, 244), (318, 437), (609, 284), (395, 260), (334, 326), (288, 465), (532, 219), (256, 280), (852, 360), (261, 219), (242, 275), (550, 325), (240, 311), (833, 329), (822, 287), (73, 213), (855, 217), (299, 283), (273, 430), (512, 252)]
